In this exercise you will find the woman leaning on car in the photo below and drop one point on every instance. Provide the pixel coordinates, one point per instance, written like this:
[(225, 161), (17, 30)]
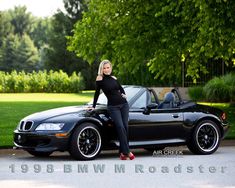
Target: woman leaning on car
[(117, 105)]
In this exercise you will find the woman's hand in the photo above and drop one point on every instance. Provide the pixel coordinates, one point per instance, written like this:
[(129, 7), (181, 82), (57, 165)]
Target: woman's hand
[(124, 96), (90, 108)]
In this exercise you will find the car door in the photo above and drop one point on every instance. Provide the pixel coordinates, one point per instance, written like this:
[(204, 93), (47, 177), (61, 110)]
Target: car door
[(155, 125)]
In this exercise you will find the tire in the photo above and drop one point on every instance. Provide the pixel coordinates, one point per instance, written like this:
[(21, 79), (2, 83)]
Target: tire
[(40, 153), (85, 142), (205, 138)]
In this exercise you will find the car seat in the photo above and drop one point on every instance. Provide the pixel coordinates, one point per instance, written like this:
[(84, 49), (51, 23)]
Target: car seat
[(168, 101)]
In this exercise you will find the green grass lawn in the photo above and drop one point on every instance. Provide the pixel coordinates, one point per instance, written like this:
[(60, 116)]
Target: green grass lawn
[(13, 107)]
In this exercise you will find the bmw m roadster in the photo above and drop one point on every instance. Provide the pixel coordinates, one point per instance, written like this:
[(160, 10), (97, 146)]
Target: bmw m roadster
[(153, 125)]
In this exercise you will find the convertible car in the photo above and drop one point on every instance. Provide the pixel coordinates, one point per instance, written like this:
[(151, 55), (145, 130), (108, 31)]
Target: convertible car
[(153, 125)]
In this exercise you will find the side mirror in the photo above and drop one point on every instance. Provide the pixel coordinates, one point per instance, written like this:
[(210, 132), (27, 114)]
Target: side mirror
[(149, 107), (152, 106)]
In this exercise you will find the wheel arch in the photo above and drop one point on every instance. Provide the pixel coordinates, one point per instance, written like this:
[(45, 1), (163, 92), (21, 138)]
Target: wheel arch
[(89, 120), (86, 120), (213, 119)]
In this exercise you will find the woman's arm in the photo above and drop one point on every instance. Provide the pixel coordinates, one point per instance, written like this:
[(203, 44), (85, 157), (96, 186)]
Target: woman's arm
[(97, 90)]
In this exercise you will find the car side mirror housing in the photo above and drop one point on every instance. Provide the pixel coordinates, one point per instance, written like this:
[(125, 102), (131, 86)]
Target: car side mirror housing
[(149, 107), (152, 106)]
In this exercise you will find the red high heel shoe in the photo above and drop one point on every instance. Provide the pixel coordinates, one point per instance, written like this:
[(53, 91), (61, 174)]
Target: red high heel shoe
[(131, 156), (123, 157)]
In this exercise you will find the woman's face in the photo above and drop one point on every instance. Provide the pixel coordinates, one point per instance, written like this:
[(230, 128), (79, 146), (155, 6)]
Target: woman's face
[(107, 69)]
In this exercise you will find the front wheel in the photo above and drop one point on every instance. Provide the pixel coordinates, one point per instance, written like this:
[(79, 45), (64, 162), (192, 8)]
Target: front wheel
[(85, 142), (205, 138)]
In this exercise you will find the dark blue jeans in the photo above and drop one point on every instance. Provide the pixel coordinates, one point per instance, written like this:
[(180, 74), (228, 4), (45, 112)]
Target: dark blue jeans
[(120, 114)]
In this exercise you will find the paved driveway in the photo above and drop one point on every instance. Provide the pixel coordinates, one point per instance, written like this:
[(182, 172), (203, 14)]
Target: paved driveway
[(175, 167)]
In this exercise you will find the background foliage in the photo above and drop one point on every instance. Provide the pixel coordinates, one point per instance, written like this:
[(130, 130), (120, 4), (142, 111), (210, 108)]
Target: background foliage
[(154, 38), (42, 81), (219, 89), (151, 43), (29, 43)]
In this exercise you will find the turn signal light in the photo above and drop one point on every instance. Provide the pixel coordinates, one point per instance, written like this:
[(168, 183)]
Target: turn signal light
[(61, 134)]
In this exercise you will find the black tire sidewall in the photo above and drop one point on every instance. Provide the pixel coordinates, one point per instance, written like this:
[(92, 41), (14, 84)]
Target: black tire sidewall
[(73, 147), (40, 154), (193, 145)]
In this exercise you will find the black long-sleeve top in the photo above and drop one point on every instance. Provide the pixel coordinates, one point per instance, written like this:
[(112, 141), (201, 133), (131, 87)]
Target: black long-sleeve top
[(112, 90)]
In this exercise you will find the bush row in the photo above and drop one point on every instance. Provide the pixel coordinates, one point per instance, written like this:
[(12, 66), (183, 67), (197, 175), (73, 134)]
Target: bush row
[(219, 89), (42, 81)]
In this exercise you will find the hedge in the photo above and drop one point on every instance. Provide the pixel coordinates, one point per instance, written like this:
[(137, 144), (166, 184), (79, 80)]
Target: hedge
[(40, 82), (218, 89)]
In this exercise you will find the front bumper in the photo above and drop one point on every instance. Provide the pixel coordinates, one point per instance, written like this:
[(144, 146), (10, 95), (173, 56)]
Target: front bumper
[(40, 141)]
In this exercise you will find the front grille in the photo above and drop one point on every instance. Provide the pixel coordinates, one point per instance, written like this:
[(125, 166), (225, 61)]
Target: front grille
[(25, 125), (21, 125)]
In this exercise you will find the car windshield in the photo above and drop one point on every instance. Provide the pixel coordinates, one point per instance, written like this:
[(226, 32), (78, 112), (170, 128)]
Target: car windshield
[(130, 93)]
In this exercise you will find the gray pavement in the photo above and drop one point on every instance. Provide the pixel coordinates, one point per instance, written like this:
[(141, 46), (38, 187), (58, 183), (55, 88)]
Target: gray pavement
[(177, 167)]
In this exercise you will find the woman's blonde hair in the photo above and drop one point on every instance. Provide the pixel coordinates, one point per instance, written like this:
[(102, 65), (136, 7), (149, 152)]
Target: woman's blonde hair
[(101, 66)]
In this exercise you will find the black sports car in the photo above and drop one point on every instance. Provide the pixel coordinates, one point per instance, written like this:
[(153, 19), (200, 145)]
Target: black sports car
[(152, 125)]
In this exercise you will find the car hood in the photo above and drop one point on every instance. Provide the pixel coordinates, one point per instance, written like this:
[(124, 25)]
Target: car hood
[(39, 116)]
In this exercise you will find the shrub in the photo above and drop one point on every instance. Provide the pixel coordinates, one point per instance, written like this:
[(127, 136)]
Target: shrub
[(58, 82), (22, 82), (217, 91), (42, 81), (229, 80), (38, 82), (10, 82), (2, 78), (76, 82), (196, 93)]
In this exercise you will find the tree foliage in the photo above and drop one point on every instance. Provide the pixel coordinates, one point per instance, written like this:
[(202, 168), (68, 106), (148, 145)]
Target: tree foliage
[(156, 36), (40, 31), (21, 20), (75, 8), (17, 50), (18, 53), (57, 55), (31, 43), (5, 26)]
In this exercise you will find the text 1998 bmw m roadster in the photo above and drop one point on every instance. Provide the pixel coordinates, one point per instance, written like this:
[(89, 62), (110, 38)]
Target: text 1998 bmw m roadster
[(152, 125)]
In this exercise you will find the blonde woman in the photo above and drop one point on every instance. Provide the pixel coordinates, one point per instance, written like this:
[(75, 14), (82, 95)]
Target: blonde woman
[(117, 105)]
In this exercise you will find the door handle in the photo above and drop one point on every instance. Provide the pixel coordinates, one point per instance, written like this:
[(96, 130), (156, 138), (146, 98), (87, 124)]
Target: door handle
[(175, 115)]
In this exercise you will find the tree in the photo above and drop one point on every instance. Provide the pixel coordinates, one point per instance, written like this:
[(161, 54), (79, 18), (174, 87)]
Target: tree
[(5, 30), (17, 49), (200, 31), (56, 54), (18, 53), (27, 56), (5, 26), (158, 36), (40, 31), (75, 9), (21, 20), (9, 52)]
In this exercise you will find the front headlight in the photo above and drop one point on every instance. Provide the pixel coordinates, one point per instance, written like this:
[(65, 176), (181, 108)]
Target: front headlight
[(50, 127)]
